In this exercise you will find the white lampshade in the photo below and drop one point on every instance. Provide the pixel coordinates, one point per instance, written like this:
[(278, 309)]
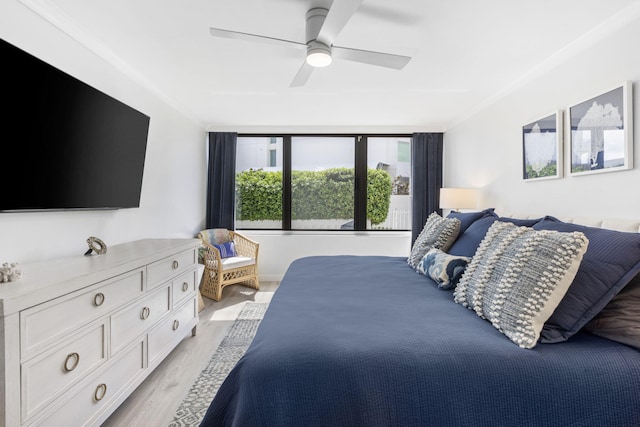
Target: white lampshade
[(458, 198)]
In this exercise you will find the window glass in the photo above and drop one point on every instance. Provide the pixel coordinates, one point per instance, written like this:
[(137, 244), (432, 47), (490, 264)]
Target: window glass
[(322, 182), (259, 182), (389, 183)]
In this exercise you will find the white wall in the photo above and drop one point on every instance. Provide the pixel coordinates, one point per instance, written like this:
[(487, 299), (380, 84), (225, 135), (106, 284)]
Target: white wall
[(173, 188), (485, 150), (279, 248)]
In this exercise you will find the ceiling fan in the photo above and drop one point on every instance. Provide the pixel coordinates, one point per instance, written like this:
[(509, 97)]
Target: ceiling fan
[(322, 28)]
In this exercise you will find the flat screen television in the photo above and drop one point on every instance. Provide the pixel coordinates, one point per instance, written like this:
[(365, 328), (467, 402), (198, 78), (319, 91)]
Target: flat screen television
[(64, 144)]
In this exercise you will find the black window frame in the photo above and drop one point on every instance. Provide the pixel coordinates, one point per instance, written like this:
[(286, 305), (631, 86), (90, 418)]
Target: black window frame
[(360, 171)]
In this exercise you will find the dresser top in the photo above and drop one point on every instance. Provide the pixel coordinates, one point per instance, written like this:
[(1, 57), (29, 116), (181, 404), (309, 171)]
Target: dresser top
[(42, 281)]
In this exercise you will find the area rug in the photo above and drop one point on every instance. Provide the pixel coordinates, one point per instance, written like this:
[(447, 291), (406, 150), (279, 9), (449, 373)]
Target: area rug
[(192, 409)]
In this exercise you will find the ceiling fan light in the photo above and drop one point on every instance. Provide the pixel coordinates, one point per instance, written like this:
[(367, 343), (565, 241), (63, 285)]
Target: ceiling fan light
[(318, 55), (318, 59)]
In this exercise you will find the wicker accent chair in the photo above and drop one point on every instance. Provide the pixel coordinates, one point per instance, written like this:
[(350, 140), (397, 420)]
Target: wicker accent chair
[(220, 272)]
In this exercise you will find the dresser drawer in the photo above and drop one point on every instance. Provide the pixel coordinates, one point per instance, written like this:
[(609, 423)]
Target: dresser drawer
[(49, 322), (164, 336), (184, 287), (48, 375), (86, 402), (163, 270), (132, 321)]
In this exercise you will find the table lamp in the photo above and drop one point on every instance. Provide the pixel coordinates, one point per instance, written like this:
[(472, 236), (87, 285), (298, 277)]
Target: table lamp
[(458, 198)]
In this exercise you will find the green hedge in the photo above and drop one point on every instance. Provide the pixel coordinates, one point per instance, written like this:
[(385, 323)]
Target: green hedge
[(325, 194), (258, 195), (378, 195)]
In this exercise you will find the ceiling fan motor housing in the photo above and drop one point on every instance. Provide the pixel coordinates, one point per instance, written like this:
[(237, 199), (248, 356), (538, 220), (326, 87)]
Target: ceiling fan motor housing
[(315, 19), (318, 53)]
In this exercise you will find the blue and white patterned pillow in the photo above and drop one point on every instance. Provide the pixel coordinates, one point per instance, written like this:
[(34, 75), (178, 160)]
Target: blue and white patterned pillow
[(227, 250), (443, 268), (518, 276)]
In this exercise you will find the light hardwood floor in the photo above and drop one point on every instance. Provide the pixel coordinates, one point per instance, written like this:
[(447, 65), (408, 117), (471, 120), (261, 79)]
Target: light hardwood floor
[(155, 401)]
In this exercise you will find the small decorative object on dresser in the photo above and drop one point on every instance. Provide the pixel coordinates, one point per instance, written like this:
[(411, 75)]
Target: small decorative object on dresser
[(81, 333), (9, 272), (96, 245)]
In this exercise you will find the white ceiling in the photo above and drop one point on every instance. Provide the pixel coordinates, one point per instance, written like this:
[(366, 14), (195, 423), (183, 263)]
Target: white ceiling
[(465, 53)]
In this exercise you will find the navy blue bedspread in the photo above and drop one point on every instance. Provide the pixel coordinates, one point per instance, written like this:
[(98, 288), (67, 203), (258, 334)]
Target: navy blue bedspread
[(366, 341)]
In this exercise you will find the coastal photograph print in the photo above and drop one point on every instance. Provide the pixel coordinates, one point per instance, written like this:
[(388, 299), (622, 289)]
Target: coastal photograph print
[(601, 132), (542, 148)]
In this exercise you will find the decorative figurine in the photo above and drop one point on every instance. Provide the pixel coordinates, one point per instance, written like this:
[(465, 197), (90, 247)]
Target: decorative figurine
[(9, 272), (96, 245)]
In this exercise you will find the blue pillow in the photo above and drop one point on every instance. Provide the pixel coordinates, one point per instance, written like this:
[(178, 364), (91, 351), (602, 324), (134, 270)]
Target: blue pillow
[(468, 242), (443, 268), (521, 222), (468, 218), (612, 260), (227, 249)]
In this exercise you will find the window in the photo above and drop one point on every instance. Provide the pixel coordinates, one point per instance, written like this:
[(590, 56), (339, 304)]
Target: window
[(259, 182), (391, 155), (323, 182)]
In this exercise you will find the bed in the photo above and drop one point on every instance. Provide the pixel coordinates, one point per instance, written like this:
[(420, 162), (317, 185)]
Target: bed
[(371, 341)]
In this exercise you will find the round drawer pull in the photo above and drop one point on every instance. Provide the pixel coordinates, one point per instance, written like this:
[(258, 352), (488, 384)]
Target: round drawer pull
[(176, 324), (175, 265), (101, 392), (98, 299), (145, 313), (185, 287), (74, 358)]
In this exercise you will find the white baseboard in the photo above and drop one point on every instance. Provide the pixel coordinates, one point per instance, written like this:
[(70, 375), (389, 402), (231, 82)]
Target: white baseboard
[(270, 277)]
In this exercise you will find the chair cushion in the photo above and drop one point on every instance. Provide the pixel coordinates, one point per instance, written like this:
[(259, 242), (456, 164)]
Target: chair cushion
[(237, 262)]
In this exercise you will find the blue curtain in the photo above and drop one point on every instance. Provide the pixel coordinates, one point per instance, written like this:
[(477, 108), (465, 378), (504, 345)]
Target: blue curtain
[(426, 171), (221, 180)]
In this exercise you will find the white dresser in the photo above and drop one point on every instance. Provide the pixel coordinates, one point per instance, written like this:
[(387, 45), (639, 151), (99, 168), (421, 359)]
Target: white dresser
[(79, 334)]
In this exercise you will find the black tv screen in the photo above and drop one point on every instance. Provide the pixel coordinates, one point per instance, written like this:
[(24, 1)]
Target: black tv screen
[(65, 145)]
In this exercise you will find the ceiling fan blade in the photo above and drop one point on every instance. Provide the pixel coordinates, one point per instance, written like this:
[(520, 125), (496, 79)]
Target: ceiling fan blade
[(237, 35), (390, 13), (339, 14), (302, 76), (380, 59)]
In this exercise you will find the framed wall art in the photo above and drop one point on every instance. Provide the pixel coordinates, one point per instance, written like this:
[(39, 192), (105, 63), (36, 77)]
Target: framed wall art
[(601, 132), (542, 148)]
